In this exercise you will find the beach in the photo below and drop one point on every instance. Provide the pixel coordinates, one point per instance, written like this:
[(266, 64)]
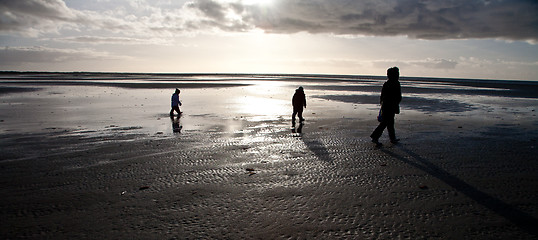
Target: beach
[(95, 155)]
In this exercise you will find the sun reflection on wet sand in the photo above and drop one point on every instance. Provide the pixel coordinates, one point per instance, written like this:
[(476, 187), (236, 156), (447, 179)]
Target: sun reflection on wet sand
[(264, 100), (260, 108)]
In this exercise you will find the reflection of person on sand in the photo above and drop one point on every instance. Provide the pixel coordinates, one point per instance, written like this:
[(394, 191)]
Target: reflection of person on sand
[(298, 129), (175, 103), (298, 101), (176, 127), (391, 95)]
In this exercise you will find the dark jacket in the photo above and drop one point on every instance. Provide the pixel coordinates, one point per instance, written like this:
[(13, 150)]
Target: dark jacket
[(391, 96), (175, 100), (299, 99)]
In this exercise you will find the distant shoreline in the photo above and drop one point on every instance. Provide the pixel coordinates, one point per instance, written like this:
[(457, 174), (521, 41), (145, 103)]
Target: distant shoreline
[(15, 81), (297, 75)]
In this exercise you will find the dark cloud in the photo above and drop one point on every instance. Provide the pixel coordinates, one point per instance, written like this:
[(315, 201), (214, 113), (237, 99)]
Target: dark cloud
[(434, 19), (34, 17), (52, 9), (210, 8), (213, 14), (28, 16)]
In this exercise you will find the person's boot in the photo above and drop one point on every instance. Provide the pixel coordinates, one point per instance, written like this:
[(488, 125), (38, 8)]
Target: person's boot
[(376, 141)]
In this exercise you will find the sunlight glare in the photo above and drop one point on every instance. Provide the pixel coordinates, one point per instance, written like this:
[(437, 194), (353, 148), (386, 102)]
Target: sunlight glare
[(261, 108)]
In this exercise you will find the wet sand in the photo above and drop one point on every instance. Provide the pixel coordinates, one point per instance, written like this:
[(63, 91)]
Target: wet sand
[(101, 160)]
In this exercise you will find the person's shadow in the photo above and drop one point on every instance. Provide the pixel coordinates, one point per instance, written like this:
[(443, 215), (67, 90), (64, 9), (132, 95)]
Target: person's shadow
[(314, 145), (521, 219), (176, 124)]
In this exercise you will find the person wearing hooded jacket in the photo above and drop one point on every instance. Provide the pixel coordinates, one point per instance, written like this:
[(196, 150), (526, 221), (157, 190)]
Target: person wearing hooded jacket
[(391, 96), (175, 103), (298, 101)]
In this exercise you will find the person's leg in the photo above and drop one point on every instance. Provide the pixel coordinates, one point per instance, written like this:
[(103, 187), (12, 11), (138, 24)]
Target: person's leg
[(379, 130), (388, 118), (293, 116), (390, 128), (176, 108), (301, 115)]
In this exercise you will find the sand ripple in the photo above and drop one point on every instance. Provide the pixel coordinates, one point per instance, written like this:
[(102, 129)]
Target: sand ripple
[(264, 183)]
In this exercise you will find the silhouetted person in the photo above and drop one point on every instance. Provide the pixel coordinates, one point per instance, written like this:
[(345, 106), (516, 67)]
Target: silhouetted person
[(298, 101), (391, 95), (175, 103)]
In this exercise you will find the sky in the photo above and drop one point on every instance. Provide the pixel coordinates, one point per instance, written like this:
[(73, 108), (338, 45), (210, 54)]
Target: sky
[(486, 39)]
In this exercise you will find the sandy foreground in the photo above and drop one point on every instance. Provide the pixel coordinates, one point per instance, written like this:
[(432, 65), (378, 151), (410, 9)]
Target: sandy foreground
[(91, 161)]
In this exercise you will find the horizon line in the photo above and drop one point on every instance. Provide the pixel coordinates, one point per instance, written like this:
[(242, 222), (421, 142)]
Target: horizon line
[(377, 77)]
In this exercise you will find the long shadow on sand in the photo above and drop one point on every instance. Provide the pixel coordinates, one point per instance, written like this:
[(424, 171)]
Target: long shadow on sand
[(318, 148), (314, 145), (516, 216)]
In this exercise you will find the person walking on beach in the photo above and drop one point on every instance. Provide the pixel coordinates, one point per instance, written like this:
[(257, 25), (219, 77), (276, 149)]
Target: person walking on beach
[(175, 103), (391, 96), (298, 101)]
